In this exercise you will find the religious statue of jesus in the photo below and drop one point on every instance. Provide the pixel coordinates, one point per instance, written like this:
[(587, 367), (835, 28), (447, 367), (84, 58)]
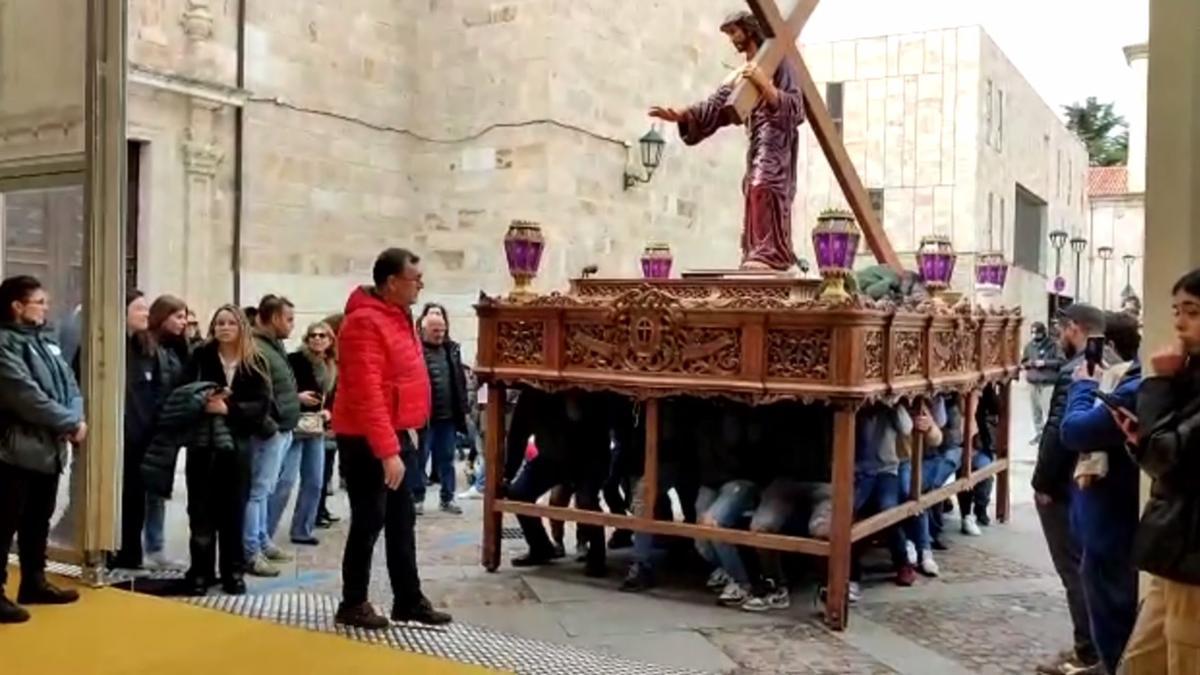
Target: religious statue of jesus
[(769, 186)]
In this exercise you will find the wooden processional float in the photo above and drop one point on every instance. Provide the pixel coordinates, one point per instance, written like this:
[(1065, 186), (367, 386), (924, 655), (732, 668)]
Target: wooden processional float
[(757, 339)]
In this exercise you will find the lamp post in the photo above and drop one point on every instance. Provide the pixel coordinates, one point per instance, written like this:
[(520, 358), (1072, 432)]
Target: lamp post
[(1058, 239), (1128, 259), (651, 146), (1106, 254), (1078, 246)]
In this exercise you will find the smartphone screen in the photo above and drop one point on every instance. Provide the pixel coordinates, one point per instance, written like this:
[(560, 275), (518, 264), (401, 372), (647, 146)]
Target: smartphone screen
[(1093, 353)]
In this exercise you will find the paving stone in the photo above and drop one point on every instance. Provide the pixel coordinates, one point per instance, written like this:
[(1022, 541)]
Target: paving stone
[(1003, 633), (806, 648)]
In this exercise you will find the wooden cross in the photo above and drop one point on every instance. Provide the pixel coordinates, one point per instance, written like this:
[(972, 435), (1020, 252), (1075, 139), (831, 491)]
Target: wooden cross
[(781, 43)]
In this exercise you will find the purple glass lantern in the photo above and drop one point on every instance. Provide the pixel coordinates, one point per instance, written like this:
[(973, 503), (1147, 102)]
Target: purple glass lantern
[(991, 270), (523, 246), (835, 242), (935, 260), (656, 261)]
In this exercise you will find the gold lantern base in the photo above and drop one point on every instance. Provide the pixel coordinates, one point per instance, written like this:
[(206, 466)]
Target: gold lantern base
[(833, 288)]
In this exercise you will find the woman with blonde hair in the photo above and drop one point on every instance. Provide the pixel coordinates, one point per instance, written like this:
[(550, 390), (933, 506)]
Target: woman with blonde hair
[(314, 368), (218, 481)]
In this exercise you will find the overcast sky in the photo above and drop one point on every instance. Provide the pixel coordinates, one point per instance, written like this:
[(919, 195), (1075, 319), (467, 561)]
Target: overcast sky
[(1067, 49)]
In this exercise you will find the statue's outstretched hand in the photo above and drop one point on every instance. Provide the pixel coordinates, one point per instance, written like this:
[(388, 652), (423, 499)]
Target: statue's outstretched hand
[(666, 114)]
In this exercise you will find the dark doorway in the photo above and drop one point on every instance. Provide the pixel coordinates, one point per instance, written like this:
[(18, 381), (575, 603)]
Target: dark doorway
[(133, 214)]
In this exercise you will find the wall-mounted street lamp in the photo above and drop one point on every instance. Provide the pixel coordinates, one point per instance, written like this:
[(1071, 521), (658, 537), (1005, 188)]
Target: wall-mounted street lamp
[(651, 146), (1058, 239)]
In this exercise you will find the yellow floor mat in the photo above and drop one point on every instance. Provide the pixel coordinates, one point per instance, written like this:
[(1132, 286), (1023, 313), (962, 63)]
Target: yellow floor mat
[(110, 632)]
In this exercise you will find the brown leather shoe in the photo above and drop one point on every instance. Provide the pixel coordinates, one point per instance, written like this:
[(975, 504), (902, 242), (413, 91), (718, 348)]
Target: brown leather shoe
[(362, 615)]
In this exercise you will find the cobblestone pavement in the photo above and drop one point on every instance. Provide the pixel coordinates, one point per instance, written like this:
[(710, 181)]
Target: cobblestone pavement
[(996, 608)]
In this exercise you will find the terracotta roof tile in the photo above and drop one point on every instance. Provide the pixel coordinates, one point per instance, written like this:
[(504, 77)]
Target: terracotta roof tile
[(1107, 180)]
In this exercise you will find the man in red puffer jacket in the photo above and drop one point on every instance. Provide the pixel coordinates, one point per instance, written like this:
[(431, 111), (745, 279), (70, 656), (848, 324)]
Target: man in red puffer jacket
[(383, 397)]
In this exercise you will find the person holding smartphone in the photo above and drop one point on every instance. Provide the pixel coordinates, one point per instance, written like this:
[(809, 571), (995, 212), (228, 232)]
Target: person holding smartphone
[(1052, 481), (1166, 637), (1104, 499)]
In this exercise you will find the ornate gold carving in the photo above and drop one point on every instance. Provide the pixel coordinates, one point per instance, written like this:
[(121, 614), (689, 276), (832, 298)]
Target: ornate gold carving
[(993, 356), (954, 351), (520, 343), (645, 334), (798, 354), (908, 353), (873, 349)]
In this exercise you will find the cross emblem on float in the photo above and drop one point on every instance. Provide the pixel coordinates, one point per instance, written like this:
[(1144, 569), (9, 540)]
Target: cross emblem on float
[(782, 34)]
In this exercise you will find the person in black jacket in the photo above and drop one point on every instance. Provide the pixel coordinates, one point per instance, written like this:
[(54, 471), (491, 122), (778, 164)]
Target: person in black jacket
[(150, 375), (1166, 436), (168, 323), (448, 414), (218, 483), (572, 436), (41, 414), (1052, 478), (1040, 361), (313, 367)]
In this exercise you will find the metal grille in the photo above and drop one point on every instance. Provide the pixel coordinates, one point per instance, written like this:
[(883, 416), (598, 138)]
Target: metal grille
[(511, 533), (457, 642)]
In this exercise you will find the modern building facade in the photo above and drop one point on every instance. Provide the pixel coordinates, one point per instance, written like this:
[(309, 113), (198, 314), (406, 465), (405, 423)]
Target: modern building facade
[(950, 139)]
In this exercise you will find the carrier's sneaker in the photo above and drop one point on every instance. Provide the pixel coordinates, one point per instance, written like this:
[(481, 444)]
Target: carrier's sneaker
[(775, 598), (853, 595), (717, 580), (733, 595), (928, 566), (910, 553), (970, 526), (470, 493)]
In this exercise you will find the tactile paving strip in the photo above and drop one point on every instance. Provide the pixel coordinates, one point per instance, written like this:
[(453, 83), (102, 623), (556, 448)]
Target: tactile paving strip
[(457, 642)]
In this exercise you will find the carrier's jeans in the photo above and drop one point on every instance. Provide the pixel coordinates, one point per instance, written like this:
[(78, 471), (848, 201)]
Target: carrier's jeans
[(726, 508)]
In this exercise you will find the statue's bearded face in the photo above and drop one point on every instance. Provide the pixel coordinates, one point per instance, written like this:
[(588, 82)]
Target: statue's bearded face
[(738, 36)]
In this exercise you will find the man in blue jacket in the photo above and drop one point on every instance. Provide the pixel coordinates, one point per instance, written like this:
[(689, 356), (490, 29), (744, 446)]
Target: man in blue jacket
[(1104, 500)]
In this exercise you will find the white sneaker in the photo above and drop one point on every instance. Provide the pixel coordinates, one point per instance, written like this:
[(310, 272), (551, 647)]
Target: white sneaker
[(776, 598), (855, 593), (910, 553), (717, 580), (733, 595), (970, 526), (470, 494), (928, 566)]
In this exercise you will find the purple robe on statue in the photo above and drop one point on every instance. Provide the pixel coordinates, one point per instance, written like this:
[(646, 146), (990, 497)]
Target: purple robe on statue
[(769, 186)]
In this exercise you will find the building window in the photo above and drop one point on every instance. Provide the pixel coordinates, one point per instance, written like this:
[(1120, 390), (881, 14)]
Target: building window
[(1058, 175), (1070, 181), (876, 195), (988, 104), (999, 119), (833, 101)]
